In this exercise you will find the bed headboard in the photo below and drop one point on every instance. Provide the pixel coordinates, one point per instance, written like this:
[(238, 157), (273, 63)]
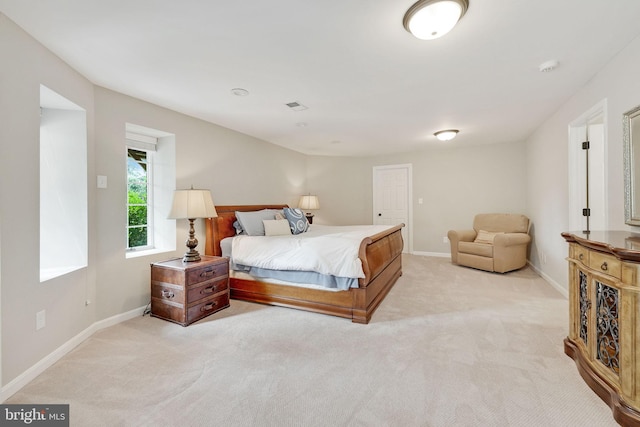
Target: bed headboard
[(222, 226)]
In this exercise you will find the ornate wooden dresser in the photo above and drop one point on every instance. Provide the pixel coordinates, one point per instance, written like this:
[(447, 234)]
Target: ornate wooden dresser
[(604, 312)]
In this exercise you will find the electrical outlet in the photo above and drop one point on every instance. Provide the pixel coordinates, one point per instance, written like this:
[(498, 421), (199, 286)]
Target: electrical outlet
[(445, 239), (40, 320)]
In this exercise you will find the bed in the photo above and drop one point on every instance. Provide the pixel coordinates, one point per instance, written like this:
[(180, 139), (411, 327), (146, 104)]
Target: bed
[(380, 255)]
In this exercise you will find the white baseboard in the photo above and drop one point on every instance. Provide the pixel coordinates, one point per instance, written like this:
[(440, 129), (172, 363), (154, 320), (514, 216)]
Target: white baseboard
[(549, 280), (435, 254), (27, 376)]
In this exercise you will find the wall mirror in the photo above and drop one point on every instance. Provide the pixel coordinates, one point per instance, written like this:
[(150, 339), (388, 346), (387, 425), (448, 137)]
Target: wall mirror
[(631, 139)]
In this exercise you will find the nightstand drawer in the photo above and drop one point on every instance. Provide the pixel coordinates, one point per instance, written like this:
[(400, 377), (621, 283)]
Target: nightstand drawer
[(206, 307), (207, 289), (209, 272), (167, 292), (168, 310)]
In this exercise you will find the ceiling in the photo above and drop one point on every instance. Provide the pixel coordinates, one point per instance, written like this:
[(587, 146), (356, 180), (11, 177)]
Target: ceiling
[(370, 87)]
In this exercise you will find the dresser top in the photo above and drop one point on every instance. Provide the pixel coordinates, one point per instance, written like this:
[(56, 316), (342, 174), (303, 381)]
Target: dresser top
[(623, 244), (178, 264)]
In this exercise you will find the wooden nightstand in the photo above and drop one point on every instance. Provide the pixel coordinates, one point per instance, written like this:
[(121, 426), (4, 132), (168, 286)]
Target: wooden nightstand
[(184, 292)]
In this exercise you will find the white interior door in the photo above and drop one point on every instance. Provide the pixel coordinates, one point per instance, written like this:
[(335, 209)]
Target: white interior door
[(391, 196)]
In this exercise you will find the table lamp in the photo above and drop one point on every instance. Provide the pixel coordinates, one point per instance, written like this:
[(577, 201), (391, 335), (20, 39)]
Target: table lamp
[(309, 202), (191, 204)]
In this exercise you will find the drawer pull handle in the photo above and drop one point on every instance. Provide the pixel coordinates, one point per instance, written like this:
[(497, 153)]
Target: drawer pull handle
[(207, 273), (208, 290), (209, 306), (167, 294), (581, 257), (604, 266)]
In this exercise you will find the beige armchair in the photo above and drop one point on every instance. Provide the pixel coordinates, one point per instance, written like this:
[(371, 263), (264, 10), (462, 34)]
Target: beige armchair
[(498, 242)]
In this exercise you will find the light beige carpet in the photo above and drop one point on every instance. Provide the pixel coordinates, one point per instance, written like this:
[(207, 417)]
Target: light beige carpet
[(449, 346)]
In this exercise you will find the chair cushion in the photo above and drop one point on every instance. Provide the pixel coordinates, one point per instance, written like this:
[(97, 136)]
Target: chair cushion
[(480, 249), (508, 223)]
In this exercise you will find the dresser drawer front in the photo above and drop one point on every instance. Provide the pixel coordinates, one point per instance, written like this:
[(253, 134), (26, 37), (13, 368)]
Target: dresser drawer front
[(206, 307), (581, 254), (196, 293), (167, 292), (606, 264), (168, 310), (208, 272)]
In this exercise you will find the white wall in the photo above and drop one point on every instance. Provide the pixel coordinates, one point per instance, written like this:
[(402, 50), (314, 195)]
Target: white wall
[(547, 160), (25, 66), (455, 183)]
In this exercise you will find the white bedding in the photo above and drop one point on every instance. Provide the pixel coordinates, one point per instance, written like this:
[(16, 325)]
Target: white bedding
[(331, 250)]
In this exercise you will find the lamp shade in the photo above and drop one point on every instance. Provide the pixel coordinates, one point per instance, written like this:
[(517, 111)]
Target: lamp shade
[(192, 204), (430, 19), (309, 202)]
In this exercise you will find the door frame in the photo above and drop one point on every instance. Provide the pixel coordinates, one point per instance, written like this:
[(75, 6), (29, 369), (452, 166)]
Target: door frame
[(408, 167), (576, 155)]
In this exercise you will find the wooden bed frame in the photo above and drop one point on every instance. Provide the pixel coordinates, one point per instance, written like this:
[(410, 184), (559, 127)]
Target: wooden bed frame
[(381, 262)]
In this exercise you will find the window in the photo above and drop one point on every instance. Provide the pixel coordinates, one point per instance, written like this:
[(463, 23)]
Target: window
[(139, 199), (151, 179), (64, 232)]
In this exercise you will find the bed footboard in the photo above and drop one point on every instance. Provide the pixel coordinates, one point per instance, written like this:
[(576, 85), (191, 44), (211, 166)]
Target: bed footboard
[(381, 257)]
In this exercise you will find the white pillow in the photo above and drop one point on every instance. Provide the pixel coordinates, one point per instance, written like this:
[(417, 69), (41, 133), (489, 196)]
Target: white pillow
[(251, 222), (276, 227)]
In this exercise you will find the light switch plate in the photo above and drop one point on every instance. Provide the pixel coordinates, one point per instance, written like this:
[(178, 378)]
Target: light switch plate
[(102, 181)]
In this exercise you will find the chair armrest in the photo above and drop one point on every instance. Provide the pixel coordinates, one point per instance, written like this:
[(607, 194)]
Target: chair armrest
[(456, 236), (511, 239), (461, 235)]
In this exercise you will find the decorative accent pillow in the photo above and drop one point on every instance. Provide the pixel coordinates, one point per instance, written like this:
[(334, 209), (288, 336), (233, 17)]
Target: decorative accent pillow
[(276, 227), (297, 221), (486, 236), (279, 215), (238, 227), (251, 222)]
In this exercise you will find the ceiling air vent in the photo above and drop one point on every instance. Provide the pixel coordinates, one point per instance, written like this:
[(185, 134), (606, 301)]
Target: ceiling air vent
[(296, 106)]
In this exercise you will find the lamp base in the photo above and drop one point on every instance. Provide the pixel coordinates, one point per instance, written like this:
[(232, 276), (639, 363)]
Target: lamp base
[(191, 256), (309, 217)]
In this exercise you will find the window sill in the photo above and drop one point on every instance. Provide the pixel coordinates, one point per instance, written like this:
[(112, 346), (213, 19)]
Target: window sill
[(146, 252), (52, 273)]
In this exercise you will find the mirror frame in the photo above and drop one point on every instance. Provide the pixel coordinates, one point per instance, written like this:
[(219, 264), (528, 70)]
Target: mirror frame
[(629, 167)]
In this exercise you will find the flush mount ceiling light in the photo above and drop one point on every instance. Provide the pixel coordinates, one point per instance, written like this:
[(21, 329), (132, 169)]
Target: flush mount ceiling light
[(446, 135), (430, 19)]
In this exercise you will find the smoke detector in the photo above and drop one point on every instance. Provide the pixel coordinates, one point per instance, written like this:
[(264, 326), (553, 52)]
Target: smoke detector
[(547, 66)]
